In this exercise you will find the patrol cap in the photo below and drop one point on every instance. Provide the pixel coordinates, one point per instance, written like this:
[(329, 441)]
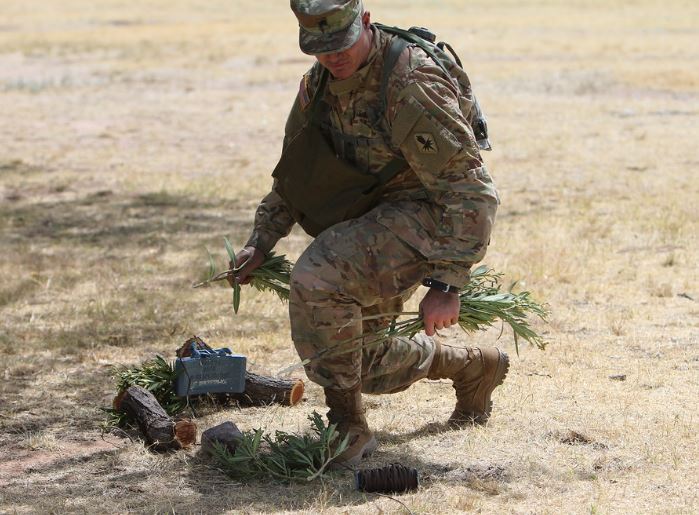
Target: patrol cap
[(327, 26)]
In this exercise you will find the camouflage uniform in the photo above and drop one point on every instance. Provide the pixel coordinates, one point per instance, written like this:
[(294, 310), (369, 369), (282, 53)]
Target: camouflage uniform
[(434, 219)]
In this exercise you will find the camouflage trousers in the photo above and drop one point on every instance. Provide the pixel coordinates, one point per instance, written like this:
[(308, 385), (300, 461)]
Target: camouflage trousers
[(356, 269)]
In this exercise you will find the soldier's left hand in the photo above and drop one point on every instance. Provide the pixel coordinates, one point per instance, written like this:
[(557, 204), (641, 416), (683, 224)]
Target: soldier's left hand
[(439, 310)]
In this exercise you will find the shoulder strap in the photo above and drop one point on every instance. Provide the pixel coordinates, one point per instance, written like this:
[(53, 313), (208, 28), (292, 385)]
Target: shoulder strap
[(394, 52), (405, 38), (398, 45), (416, 40), (318, 95)]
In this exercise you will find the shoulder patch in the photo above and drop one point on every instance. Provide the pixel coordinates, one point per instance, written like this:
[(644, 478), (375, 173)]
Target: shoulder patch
[(426, 144)]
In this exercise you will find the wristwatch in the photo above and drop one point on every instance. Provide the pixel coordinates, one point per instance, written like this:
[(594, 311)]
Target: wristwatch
[(439, 285)]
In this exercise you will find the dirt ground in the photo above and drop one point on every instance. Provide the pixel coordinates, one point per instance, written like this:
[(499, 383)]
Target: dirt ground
[(133, 135)]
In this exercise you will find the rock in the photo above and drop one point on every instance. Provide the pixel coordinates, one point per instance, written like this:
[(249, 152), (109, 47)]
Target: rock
[(226, 434)]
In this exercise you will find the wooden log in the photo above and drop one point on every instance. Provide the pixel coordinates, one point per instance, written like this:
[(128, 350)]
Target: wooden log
[(226, 434), (161, 431), (262, 390)]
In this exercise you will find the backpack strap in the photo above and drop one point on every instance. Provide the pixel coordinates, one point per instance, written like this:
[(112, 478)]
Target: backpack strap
[(405, 38), (443, 44), (426, 46), (398, 45), (318, 95)]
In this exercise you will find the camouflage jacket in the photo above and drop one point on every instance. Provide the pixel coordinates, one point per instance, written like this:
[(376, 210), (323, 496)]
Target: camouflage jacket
[(453, 197)]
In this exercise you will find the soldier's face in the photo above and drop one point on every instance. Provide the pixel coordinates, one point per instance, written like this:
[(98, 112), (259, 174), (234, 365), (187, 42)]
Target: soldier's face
[(343, 64)]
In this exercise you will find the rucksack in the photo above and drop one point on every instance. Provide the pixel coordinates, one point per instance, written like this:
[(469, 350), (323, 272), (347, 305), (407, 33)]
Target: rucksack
[(425, 39)]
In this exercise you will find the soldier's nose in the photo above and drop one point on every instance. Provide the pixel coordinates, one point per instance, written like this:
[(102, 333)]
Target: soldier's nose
[(336, 58)]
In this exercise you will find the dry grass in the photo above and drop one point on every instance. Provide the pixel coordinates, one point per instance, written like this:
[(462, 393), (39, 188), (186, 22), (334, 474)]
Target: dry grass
[(132, 137)]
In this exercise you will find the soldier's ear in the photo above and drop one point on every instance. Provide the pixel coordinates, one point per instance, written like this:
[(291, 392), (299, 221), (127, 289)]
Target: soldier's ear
[(366, 19)]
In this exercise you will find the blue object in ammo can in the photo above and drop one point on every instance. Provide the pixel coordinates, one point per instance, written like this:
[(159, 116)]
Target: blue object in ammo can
[(210, 371)]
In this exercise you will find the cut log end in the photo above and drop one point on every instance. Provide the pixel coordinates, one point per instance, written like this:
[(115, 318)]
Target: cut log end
[(263, 390), (161, 432), (296, 394), (185, 432), (116, 403)]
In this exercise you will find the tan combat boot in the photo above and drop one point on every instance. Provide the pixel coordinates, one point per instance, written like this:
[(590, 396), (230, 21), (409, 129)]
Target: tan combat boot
[(347, 412), (476, 373)]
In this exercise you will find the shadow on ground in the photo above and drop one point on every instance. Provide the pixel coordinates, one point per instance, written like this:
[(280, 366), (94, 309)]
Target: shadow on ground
[(53, 382), (121, 221), (58, 392)]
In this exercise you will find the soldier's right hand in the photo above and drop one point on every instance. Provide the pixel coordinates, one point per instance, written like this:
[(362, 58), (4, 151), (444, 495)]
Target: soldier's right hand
[(246, 260)]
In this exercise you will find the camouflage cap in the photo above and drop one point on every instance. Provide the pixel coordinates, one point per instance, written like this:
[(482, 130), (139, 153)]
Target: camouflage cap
[(327, 26)]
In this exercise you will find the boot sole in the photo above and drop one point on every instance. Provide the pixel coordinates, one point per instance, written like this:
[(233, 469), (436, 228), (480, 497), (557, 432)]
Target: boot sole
[(460, 419)]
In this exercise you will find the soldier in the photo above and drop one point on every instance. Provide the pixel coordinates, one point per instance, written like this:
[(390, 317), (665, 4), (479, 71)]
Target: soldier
[(381, 165)]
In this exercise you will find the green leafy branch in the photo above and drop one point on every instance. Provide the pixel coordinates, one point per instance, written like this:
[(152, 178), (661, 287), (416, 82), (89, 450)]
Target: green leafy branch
[(481, 305), (284, 456), (272, 275)]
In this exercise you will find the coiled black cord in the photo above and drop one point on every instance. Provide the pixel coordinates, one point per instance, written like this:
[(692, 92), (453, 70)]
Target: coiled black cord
[(394, 478)]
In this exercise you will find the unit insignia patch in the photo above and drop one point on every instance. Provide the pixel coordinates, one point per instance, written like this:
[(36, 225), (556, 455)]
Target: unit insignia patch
[(426, 143)]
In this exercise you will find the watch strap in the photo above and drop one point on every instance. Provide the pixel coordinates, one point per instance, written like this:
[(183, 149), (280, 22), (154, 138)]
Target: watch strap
[(439, 285)]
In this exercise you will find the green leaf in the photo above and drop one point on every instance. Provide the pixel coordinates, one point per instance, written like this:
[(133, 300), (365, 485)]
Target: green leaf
[(259, 433), (478, 272), (236, 297), (229, 249), (482, 304)]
